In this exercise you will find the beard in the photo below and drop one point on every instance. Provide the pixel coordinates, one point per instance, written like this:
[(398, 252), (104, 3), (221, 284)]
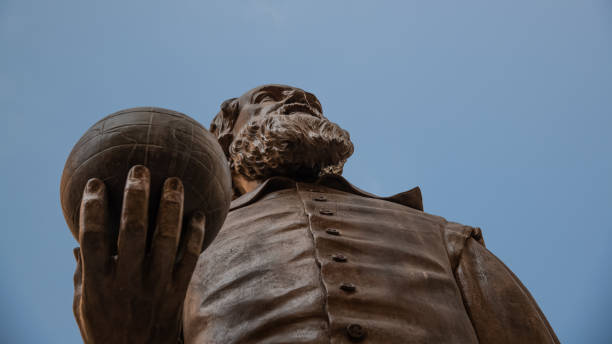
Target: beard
[(300, 146)]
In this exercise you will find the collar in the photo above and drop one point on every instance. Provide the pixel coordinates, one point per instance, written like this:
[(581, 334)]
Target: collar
[(411, 198)]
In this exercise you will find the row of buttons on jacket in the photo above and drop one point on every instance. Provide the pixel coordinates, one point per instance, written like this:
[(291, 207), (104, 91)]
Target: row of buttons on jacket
[(354, 331)]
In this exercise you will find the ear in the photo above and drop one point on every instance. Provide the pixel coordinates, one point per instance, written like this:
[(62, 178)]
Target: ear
[(223, 123)]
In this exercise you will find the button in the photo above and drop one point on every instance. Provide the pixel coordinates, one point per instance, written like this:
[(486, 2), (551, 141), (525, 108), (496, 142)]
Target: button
[(320, 199), (332, 231), (339, 258), (355, 332), (326, 212), (348, 287)]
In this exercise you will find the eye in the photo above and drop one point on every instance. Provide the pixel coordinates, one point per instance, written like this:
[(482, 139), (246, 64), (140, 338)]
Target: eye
[(263, 98)]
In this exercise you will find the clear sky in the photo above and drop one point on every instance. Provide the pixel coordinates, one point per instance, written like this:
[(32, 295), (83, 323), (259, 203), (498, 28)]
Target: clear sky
[(500, 111)]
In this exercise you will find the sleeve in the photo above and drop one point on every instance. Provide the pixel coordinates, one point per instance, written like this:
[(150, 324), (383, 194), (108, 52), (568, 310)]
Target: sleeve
[(500, 307)]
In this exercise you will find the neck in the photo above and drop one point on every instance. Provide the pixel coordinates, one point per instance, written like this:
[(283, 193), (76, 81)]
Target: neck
[(244, 185)]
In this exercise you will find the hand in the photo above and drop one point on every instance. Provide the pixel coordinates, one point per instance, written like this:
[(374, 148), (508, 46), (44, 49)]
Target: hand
[(135, 296)]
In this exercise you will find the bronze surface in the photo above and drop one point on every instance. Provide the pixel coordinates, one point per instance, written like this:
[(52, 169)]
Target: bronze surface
[(302, 257)]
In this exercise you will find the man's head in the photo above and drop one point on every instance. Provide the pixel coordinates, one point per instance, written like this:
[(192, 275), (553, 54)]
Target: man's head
[(276, 130)]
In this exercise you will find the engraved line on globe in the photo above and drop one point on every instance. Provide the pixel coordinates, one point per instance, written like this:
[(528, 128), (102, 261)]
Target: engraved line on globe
[(115, 128), (146, 154), (197, 161), (174, 114)]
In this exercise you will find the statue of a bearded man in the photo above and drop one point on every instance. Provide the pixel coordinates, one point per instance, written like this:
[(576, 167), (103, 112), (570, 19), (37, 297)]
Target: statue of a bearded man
[(306, 257)]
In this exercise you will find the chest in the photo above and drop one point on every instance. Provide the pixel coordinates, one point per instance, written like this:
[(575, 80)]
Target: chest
[(323, 262)]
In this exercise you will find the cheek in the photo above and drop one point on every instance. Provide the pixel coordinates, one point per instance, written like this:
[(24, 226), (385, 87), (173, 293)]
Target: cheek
[(241, 121)]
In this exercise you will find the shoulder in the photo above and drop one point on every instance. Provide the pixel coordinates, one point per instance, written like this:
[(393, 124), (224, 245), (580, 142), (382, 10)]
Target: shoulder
[(456, 236)]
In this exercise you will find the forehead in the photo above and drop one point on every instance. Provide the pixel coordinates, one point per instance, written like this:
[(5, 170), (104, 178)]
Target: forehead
[(274, 88)]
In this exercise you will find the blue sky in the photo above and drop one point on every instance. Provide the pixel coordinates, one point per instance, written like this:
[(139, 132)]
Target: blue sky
[(500, 111)]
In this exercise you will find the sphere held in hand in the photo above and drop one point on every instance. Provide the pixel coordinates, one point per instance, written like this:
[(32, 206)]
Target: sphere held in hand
[(170, 144)]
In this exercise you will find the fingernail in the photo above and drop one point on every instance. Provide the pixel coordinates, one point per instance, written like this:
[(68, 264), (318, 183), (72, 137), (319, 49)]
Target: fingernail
[(138, 172), (173, 184), (93, 185)]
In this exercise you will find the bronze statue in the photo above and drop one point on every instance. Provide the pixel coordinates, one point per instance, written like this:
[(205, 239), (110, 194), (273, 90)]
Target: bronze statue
[(303, 256)]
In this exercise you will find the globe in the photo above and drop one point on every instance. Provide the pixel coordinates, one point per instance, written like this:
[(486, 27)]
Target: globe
[(170, 144)]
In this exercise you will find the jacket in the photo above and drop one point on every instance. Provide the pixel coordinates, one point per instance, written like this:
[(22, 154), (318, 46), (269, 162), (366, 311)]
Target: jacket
[(325, 262)]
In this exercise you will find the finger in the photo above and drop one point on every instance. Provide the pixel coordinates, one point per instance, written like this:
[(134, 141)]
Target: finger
[(76, 301), (78, 272), (93, 234), (190, 250), (132, 240), (167, 231)]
